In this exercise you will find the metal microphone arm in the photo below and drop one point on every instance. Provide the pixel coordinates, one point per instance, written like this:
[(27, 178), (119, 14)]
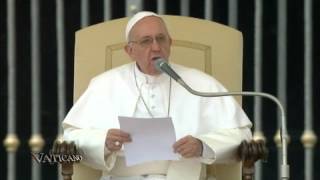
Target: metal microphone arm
[(162, 65), (284, 170)]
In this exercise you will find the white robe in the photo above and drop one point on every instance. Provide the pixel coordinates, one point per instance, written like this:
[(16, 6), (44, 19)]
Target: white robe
[(218, 122)]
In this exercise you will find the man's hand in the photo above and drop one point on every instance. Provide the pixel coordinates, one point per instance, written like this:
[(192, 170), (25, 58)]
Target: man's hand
[(188, 147), (115, 138)]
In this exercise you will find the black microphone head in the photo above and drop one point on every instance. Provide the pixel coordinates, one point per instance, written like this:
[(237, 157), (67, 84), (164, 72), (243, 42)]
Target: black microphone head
[(162, 66), (159, 63)]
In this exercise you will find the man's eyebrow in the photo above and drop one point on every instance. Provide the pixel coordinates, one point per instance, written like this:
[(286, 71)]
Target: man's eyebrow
[(147, 36)]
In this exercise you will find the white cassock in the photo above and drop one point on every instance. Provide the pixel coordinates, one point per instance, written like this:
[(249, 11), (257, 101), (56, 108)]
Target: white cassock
[(219, 122)]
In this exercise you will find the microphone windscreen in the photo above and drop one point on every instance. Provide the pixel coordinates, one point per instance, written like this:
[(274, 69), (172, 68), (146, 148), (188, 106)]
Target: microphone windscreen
[(158, 63), (163, 66)]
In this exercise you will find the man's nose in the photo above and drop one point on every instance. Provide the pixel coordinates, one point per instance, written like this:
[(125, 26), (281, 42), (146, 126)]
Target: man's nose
[(155, 45)]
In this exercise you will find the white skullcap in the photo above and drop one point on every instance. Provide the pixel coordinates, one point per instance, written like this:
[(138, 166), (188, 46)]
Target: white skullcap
[(137, 17)]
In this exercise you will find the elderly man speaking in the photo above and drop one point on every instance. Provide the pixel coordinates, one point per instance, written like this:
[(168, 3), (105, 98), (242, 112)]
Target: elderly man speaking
[(208, 130)]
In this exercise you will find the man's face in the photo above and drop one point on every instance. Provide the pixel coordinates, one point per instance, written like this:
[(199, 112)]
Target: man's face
[(148, 40)]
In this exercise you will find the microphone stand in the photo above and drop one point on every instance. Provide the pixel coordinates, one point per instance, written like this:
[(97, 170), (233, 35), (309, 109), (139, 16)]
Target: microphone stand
[(284, 169)]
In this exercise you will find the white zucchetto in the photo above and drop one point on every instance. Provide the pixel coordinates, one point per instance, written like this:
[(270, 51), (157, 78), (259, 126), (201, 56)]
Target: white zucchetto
[(136, 18)]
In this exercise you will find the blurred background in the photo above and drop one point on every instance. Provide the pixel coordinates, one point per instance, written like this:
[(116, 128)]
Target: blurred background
[(281, 57)]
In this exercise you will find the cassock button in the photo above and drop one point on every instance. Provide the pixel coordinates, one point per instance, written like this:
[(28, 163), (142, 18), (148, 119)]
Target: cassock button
[(152, 95), (153, 107)]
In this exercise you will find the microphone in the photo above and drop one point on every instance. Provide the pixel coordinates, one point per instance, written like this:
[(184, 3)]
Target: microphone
[(162, 66)]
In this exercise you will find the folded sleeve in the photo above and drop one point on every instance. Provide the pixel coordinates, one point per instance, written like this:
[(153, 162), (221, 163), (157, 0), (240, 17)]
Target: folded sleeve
[(221, 146), (91, 145)]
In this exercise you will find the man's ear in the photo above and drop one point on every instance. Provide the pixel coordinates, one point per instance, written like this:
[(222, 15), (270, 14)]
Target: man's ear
[(128, 49)]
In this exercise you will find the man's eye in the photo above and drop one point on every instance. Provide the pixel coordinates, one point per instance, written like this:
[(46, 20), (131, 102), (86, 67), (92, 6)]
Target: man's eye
[(161, 39), (145, 41)]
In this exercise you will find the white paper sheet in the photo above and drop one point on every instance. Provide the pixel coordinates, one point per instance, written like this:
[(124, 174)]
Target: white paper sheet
[(152, 139)]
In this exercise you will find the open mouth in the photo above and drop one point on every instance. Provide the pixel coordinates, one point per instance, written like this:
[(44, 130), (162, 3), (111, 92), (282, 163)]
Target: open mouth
[(155, 58)]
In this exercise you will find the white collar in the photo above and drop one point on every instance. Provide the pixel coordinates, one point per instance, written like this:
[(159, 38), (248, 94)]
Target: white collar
[(149, 79)]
